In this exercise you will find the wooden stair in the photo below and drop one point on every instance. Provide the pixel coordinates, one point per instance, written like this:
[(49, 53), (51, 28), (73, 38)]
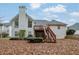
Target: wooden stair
[(49, 35)]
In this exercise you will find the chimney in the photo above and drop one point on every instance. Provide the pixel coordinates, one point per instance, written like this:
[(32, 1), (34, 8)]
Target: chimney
[(22, 9), (23, 19)]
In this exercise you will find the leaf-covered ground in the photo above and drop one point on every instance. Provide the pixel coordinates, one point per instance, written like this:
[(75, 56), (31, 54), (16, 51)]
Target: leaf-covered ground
[(21, 47)]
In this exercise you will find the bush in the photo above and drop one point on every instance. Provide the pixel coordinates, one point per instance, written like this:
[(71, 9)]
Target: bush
[(30, 36), (4, 35), (70, 32), (72, 37), (22, 34), (27, 37), (15, 39), (34, 39)]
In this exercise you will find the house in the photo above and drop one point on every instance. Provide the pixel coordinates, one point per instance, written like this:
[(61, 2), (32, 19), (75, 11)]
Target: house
[(57, 27), (22, 21), (4, 29), (75, 27)]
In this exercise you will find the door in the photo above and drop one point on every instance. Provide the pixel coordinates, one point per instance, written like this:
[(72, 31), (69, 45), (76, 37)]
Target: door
[(39, 33)]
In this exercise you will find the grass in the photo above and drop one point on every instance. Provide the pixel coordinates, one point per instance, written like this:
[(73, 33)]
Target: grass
[(5, 38), (72, 36), (21, 47)]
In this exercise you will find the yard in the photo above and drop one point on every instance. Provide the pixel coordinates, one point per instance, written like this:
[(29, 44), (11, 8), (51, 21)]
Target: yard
[(21, 47)]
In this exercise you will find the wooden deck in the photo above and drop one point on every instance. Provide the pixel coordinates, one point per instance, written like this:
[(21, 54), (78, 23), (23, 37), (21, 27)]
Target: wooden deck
[(45, 32), (39, 27)]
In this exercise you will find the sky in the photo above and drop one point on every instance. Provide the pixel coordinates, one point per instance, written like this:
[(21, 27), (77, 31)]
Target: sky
[(64, 12)]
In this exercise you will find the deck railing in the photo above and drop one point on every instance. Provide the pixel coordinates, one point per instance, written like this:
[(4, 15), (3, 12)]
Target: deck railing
[(49, 34)]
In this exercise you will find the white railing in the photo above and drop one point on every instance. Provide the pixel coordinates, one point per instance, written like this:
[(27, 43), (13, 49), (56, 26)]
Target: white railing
[(38, 27)]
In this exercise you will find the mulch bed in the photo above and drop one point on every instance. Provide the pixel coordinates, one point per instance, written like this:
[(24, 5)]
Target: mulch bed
[(21, 47)]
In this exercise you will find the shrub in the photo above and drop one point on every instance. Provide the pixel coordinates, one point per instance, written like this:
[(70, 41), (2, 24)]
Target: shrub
[(15, 38), (34, 39), (27, 37), (30, 36), (22, 34), (4, 35), (70, 32)]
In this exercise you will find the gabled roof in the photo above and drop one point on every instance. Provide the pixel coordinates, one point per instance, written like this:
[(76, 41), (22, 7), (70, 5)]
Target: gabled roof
[(17, 17), (54, 22), (75, 26), (1, 24), (5, 24), (45, 22), (40, 22)]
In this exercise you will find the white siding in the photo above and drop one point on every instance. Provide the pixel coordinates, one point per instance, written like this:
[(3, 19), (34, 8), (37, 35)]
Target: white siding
[(5, 29), (0, 29), (60, 33), (31, 29), (77, 32), (23, 20), (23, 24), (12, 30)]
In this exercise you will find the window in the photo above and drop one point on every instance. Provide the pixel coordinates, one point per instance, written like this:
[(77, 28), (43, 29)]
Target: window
[(6, 26), (7, 30), (16, 23), (29, 34), (58, 27), (30, 24), (16, 33)]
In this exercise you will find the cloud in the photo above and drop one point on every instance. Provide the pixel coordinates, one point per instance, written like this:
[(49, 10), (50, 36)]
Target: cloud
[(52, 17), (6, 21), (74, 14), (35, 5), (58, 8), (49, 16), (71, 22)]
